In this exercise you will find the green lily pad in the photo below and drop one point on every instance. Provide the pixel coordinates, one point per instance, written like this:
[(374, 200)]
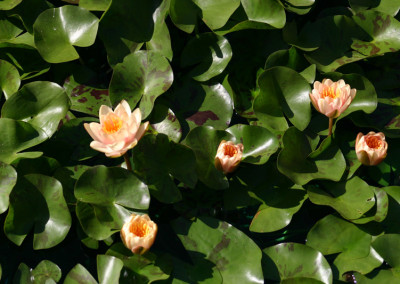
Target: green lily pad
[(221, 248), (159, 160), (79, 275), (143, 75), (9, 78), (382, 204), (332, 234), (95, 5), (209, 54), (215, 14), (381, 276), (351, 198), (9, 4), (295, 261), (108, 195), (297, 161), (283, 91), (277, 213), (270, 12), (8, 179), (344, 262), (37, 202), (143, 268), (385, 6), (204, 142), (41, 104), (184, 14), (259, 144), (109, 268), (387, 247), (84, 98), (58, 30), (46, 272), (163, 120), (202, 104)]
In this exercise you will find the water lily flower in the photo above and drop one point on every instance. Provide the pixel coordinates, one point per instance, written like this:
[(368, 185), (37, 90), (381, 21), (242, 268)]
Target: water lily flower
[(332, 98), (371, 148), (118, 130), (139, 233), (228, 156)]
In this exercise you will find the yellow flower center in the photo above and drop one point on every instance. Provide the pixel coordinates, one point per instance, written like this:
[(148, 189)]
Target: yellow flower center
[(331, 92), (112, 123), (140, 229), (374, 142), (230, 150)]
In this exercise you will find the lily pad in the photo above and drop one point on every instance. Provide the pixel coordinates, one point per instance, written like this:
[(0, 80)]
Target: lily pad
[(8, 179), (269, 12), (9, 79), (37, 202), (215, 14), (79, 275), (109, 268), (58, 30)]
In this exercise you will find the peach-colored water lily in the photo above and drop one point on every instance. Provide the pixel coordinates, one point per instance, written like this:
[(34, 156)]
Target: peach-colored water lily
[(228, 156), (332, 98), (139, 233), (118, 130), (371, 148)]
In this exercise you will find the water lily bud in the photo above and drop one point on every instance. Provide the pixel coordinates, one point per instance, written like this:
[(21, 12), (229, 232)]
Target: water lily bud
[(139, 233), (371, 148), (331, 98), (228, 156), (118, 131)]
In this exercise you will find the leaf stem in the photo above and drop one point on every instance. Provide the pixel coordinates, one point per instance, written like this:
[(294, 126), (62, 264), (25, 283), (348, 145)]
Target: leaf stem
[(330, 126), (127, 162)]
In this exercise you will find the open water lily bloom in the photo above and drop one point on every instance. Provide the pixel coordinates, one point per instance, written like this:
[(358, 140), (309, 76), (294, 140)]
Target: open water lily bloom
[(371, 148), (332, 98), (118, 130), (228, 156), (139, 233)]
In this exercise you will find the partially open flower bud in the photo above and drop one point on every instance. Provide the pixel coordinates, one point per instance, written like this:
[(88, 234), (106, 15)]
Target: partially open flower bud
[(331, 98), (371, 148), (139, 233), (228, 156)]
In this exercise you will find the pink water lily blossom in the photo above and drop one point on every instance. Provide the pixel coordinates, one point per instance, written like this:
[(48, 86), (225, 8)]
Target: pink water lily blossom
[(371, 148), (332, 98), (228, 156), (118, 130), (138, 233)]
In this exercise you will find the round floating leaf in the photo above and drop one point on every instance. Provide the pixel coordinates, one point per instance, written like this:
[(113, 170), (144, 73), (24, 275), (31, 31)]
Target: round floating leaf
[(283, 90), (58, 30), (9, 4), (184, 14), (84, 98), (278, 212), (297, 161), (159, 160), (386, 6), (108, 268), (163, 120), (351, 198), (297, 261), (215, 14), (202, 104), (42, 104), (270, 12), (382, 276), (259, 144), (382, 204), (8, 178), (103, 193), (23, 274), (388, 246), (382, 28), (204, 142), (143, 268), (37, 202), (332, 235), (209, 53), (46, 272), (9, 78), (79, 275), (223, 245), (143, 74), (345, 262), (17, 136)]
